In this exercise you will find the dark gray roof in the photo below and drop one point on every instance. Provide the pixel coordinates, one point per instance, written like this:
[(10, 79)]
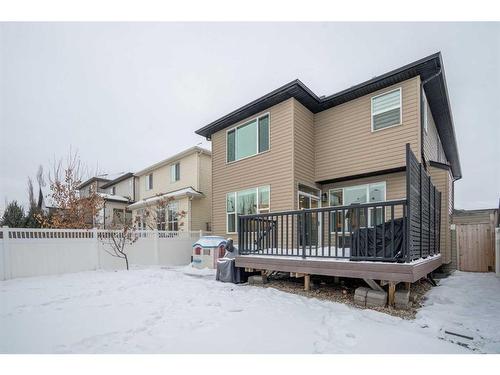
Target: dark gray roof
[(436, 93), (117, 180)]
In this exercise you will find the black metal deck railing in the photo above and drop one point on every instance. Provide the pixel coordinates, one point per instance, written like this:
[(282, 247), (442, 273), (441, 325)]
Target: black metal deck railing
[(373, 231)]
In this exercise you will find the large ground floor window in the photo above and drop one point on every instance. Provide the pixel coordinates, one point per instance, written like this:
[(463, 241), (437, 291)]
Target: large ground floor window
[(352, 195), (168, 217), (246, 202), (121, 216)]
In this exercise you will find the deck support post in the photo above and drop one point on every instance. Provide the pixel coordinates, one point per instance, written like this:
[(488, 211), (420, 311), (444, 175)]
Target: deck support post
[(307, 282), (407, 286), (392, 292)]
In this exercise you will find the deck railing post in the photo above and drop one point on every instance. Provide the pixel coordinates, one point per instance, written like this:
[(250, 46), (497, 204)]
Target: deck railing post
[(303, 232), (240, 235)]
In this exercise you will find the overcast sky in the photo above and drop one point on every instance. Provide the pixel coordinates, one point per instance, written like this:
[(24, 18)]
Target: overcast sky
[(128, 95)]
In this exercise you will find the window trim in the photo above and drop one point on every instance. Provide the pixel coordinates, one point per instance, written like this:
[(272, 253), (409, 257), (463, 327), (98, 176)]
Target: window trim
[(367, 185), (174, 165), (400, 109), (257, 138), (149, 187), (236, 205)]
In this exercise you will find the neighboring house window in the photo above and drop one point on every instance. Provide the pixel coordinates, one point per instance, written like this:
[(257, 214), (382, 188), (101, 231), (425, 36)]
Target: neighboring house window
[(141, 219), (168, 217), (149, 181), (360, 194), (118, 217), (386, 110), (173, 216), (128, 217), (248, 139), (175, 172), (246, 202), (112, 191), (426, 114)]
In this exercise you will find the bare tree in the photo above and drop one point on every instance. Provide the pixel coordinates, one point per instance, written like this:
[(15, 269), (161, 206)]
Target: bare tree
[(116, 242)]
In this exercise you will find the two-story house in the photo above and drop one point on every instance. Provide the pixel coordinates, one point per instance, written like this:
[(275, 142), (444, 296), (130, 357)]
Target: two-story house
[(92, 185), (118, 194), (183, 182), (291, 149)]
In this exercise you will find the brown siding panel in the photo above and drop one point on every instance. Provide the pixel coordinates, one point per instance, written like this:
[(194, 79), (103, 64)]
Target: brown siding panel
[(303, 147), (345, 144), (273, 167)]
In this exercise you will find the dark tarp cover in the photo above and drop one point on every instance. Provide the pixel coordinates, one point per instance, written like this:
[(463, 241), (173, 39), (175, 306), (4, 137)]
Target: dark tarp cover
[(367, 235)]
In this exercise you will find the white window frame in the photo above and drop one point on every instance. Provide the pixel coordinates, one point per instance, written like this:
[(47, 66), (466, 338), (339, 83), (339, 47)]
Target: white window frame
[(236, 206), (148, 187), (367, 186), (426, 114), (390, 109), (235, 128), (173, 172)]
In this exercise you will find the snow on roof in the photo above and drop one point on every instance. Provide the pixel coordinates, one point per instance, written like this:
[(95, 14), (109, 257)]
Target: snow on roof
[(210, 241), (114, 197), (188, 192)]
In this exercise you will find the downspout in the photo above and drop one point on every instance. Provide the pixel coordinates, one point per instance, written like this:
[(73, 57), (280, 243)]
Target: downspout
[(104, 215), (422, 92)]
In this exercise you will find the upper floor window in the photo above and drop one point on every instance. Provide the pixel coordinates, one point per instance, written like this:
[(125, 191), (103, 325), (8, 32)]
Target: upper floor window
[(426, 114), (149, 181), (248, 139), (175, 172), (386, 110), (112, 191)]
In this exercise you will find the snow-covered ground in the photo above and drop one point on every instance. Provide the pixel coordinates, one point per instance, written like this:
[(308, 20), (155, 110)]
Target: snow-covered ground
[(182, 310)]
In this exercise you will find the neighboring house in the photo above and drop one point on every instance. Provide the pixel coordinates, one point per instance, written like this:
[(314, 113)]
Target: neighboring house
[(93, 184), (184, 180), (118, 194), (291, 149)]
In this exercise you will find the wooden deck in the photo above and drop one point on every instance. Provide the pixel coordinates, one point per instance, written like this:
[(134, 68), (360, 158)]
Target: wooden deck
[(398, 272)]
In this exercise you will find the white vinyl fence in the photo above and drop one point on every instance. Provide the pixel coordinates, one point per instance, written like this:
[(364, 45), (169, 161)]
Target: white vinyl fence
[(34, 252)]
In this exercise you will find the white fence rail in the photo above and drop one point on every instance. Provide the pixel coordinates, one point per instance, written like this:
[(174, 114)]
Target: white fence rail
[(33, 252)]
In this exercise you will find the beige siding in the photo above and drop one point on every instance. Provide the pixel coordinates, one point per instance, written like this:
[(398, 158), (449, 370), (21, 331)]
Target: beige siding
[(201, 208), (161, 178), (274, 167), (346, 146), (108, 213), (195, 172), (124, 188), (433, 150), (442, 180), (303, 150)]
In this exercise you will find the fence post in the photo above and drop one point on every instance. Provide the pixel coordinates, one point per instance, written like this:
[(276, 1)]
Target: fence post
[(7, 271), (156, 246), (96, 246), (497, 251)]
